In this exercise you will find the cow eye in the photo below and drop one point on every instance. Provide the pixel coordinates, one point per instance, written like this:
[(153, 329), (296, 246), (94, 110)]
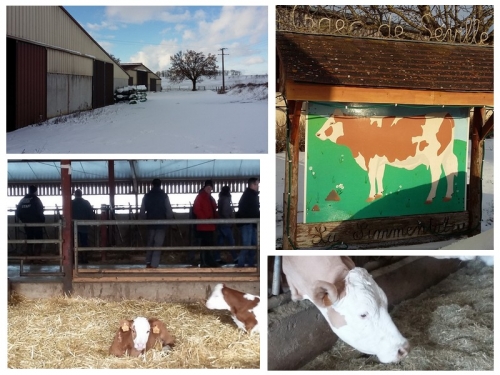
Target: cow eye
[(364, 315)]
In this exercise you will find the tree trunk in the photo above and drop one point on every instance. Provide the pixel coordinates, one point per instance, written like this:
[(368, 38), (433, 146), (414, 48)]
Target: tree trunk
[(194, 85)]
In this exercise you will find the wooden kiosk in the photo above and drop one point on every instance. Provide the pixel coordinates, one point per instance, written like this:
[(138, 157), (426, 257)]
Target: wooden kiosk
[(352, 71)]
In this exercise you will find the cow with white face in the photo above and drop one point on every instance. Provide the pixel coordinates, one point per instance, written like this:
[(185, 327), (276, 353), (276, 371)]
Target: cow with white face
[(131, 338), (352, 303)]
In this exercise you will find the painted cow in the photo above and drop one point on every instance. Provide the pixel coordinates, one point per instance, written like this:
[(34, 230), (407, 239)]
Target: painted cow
[(244, 307), (350, 300), (403, 142)]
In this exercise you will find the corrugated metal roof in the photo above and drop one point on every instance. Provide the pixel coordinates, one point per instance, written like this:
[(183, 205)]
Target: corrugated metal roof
[(37, 171)]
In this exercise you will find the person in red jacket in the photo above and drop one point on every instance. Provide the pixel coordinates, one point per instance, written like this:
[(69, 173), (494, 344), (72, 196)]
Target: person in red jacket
[(205, 207)]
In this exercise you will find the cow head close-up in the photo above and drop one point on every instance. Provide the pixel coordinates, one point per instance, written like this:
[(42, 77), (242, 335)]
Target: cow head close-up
[(360, 317)]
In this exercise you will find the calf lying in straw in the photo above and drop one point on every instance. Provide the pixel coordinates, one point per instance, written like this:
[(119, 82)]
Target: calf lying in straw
[(134, 337), (244, 307)]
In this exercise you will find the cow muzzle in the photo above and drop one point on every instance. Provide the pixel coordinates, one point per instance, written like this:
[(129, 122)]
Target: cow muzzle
[(395, 357), (403, 351)]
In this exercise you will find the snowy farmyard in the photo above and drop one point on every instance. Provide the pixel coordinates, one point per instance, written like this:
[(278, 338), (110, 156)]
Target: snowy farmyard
[(171, 121), (139, 80)]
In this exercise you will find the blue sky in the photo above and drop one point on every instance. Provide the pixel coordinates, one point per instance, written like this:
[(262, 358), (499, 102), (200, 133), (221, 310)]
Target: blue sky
[(151, 34)]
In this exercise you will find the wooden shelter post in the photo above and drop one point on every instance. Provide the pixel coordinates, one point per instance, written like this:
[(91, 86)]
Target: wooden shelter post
[(66, 231), (291, 196), (476, 168), (112, 191)]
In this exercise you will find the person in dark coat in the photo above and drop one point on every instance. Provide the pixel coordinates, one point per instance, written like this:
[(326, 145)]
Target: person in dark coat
[(204, 207), (30, 210), (82, 210), (155, 206), (249, 208), (225, 231)]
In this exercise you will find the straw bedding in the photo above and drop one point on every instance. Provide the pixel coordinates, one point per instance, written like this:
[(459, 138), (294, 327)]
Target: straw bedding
[(77, 333), (450, 327)]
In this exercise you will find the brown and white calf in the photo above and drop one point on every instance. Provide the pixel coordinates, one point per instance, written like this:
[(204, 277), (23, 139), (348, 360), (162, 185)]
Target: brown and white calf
[(134, 337), (244, 307), (352, 303)]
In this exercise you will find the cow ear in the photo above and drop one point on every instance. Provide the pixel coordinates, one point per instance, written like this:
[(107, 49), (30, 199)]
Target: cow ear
[(324, 294), (125, 325), (155, 328)]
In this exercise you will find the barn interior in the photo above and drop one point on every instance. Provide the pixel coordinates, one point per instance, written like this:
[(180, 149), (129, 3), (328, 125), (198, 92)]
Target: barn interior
[(117, 237), (444, 307)]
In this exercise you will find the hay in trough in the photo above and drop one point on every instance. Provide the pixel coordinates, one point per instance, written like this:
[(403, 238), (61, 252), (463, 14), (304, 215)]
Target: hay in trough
[(449, 326), (77, 333)]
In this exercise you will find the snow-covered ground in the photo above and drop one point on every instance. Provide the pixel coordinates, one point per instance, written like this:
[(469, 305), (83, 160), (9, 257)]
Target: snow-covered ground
[(169, 122), (487, 203)]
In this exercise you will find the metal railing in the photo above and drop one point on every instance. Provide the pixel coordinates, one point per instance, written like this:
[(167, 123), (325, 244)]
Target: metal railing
[(23, 258), (77, 248), (171, 222)]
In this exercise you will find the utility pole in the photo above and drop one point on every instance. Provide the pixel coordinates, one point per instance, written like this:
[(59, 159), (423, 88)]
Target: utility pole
[(223, 85)]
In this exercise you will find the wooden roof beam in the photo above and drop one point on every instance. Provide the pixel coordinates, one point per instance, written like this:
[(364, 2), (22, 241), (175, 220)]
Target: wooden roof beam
[(329, 93)]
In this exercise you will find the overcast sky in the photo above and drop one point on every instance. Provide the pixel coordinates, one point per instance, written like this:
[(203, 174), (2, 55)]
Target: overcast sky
[(151, 34)]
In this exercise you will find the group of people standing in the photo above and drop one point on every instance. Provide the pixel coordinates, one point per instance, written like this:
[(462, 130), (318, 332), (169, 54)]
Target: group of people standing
[(156, 206), (30, 211), (205, 207)]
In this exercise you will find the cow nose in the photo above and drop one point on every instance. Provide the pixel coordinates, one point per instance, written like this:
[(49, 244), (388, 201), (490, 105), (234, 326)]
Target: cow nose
[(403, 350)]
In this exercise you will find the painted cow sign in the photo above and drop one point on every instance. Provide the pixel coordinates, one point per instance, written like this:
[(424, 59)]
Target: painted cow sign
[(403, 142), (372, 161)]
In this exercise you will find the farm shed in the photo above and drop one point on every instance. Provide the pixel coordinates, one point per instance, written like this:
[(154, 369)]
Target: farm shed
[(364, 75), (116, 237), (141, 75), (444, 307), (54, 67)]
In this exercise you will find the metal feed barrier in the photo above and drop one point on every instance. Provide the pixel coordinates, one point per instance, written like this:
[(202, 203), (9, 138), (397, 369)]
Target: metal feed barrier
[(103, 273), (23, 258)]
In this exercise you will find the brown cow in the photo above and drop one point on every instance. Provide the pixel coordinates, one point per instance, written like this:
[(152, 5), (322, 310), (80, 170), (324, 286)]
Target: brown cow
[(403, 142)]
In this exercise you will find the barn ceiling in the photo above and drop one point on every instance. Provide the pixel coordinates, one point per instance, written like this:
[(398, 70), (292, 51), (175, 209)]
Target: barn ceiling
[(38, 171)]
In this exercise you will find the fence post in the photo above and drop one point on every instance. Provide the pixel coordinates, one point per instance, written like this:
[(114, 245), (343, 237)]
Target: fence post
[(67, 215), (104, 229)]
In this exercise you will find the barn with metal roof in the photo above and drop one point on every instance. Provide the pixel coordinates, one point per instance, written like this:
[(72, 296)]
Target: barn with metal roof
[(117, 240), (54, 67), (142, 75)]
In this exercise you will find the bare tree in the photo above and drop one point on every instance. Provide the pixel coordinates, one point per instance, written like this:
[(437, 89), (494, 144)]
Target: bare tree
[(447, 23), (115, 59), (192, 65)]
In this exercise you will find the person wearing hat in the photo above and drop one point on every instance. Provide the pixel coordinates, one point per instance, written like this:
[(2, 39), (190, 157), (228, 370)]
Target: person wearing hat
[(155, 206), (204, 207), (30, 210), (82, 210)]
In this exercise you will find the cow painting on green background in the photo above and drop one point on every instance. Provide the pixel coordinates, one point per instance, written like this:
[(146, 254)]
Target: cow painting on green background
[(370, 161)]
